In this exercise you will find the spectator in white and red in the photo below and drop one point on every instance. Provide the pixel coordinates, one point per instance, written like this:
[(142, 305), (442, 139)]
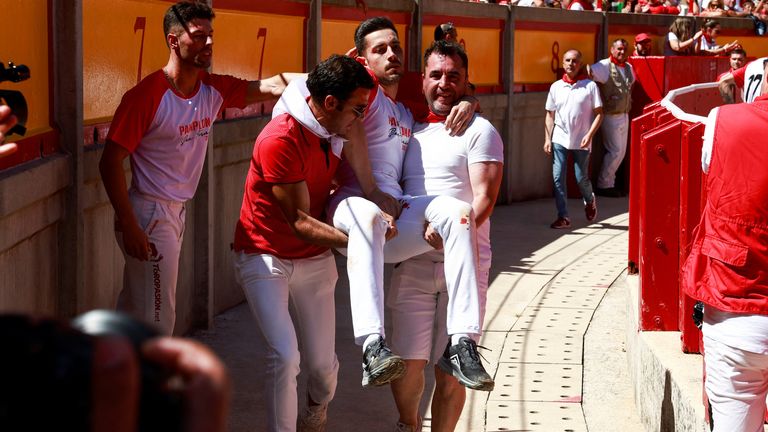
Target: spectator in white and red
[(750, 8), (643, 45), (714, 9), (657, 7), (708, 45), (582, 5), (681, 40)]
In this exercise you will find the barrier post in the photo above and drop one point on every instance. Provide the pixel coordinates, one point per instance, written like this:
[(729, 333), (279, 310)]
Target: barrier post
[(658, 226)]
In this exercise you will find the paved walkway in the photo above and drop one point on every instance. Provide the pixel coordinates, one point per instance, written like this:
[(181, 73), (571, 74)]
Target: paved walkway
[(558, 364)]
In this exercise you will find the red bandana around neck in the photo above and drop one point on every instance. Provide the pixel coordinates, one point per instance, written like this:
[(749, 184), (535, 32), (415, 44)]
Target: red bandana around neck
[(617, 63), (567, 79), (710, 39), (430, 117)]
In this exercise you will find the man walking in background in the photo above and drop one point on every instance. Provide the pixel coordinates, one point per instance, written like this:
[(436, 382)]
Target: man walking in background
[(574, 112), (615, 78)]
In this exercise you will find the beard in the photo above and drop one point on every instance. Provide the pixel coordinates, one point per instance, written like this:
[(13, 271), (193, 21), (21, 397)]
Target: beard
[(390, 79)]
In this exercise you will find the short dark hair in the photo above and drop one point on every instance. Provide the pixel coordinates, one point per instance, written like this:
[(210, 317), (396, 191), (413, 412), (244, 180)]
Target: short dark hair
[(183, 12), (710, 24), (446, 48), (738, 51), (622, 40), (442, 29), (369, 26), (338, 76)]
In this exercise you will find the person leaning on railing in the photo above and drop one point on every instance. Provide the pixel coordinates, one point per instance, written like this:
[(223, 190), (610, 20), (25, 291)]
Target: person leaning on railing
[(681, 40)]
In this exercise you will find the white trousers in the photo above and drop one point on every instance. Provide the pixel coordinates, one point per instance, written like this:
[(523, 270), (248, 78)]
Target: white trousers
[(149, 287), (418, 298), (615, 128), (367, 252), (269, 282), (736, 385)]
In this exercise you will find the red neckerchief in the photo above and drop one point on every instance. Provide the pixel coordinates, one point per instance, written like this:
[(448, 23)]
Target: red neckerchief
[(429, 117), (570, 81), (710, 39), (617, 63)]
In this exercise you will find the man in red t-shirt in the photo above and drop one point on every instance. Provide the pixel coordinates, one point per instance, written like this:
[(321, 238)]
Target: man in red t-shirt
[(282, 244), (163, 124)]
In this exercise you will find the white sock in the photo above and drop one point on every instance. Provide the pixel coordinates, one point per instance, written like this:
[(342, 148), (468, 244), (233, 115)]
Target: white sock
[(455, 337), (371, 338)]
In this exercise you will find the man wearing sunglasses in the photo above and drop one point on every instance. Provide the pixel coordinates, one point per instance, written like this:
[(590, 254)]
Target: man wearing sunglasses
[(163, 124), (282, 243)]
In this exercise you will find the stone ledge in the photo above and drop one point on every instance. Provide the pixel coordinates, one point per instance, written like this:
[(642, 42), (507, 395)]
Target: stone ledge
[(667, 382)]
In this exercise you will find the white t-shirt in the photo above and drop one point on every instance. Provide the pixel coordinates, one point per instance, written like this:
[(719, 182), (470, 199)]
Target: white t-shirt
[(167, 134), (388, 127), (704, 44), (601, 71), (752, 81), (574, 106), (575, 6), (438, 164), (668, 51)]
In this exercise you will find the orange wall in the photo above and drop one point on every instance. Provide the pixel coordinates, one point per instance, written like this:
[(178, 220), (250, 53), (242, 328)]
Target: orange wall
[(25, 41), (483, 48), (338, 36), (538, 53), (112, 45)]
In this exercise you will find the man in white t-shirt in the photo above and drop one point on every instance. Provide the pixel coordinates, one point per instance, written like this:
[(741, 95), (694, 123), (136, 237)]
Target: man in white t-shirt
[(163, 124), (469, 168), (574, 112), (614, 77)]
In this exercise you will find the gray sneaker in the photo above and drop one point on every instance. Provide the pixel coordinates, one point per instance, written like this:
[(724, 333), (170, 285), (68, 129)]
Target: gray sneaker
[(463, 362), (313, 419), (380, 366), (402, 427)]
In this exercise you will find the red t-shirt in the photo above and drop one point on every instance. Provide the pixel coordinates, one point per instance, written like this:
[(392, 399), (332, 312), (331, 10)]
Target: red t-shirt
[(284, 152)]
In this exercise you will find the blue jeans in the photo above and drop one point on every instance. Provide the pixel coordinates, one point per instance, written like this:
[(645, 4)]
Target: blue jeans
[(559, 170)]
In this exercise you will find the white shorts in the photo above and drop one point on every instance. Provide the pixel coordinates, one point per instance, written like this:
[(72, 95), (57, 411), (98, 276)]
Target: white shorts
[(418, 299)]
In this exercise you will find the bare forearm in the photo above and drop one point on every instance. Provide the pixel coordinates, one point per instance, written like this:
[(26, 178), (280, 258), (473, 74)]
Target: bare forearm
[(549, 127), (271, 88), (483, 208), (112, 175), (595, 125), (318, 233)]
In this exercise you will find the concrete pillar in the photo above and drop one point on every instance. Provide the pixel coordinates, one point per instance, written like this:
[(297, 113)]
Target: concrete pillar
[(314, 34), (508, 77), (67, 70)]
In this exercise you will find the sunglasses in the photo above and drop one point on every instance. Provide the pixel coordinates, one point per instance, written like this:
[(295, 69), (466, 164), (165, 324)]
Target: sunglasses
[(359, 112)]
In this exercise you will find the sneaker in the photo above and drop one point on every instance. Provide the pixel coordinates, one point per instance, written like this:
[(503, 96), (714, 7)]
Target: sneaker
[(609, 192), (380, 366), (463, 362), (590, 209), (561, 223), (313, 419)]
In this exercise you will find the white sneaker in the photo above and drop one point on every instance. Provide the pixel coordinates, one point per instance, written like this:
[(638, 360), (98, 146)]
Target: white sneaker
[(313, 419)]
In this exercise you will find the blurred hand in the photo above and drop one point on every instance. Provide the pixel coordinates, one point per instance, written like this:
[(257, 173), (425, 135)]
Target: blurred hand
[(585, 142), (7, 122), (432, 237), (135, 241), (116, 382), (548, 147), (391, 227)]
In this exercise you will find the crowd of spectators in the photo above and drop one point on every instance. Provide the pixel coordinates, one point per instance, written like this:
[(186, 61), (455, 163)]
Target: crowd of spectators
[(758, 12)]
